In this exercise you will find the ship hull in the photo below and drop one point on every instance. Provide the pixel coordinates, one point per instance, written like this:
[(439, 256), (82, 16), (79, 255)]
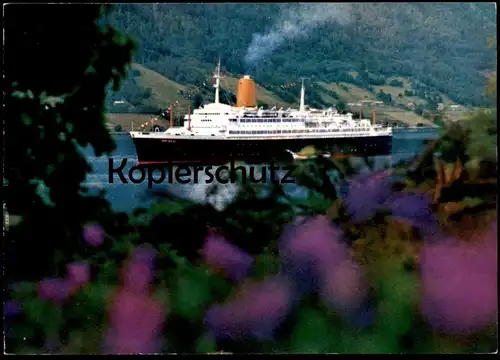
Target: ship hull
[(220, 151)]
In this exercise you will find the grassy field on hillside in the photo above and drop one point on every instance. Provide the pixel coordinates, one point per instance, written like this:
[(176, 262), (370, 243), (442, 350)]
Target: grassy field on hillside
[(353, 93), (164, 91)]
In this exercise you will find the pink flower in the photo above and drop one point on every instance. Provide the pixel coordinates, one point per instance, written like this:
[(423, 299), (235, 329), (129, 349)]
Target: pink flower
[(343, 287), (56, 290), (144, 255), (78, 273), (135, 327), (255, 314), (220, 254), (459, 285), (93, 234), (310, 249), (137, 277)]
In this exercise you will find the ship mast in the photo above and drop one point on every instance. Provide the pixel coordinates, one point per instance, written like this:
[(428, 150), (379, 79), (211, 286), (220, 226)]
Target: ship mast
[(302, 97), (217, 82)]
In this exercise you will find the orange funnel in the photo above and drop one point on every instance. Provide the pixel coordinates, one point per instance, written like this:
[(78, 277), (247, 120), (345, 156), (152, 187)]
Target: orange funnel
[(246, 93)]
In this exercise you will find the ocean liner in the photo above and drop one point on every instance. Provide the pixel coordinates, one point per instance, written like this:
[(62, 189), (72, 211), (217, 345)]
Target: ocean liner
[(217, 133)]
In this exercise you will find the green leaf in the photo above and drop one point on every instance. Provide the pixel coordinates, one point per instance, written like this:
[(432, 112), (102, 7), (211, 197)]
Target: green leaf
[(312, 333), (265, 265), (397, 299), (44, 314), (372, 343), (191, 294), (24, 290), (205, 344)]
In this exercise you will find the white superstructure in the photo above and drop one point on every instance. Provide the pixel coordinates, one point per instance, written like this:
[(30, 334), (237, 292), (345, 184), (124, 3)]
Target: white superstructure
[(221, 121)]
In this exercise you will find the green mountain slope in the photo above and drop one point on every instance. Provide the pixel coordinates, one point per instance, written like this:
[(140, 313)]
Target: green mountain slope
[(439, 47)]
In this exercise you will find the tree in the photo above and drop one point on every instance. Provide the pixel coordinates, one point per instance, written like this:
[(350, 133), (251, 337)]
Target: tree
[(409, 93), (58, 61), (396, 83), (262, 104), (419, 109), (438, 120), (341, 106), (197, 101)]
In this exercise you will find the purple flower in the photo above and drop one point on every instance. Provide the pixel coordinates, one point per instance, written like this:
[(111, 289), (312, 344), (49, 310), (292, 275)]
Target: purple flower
[(459, 285), (255, 314), (144, 255), (307, 251), (93, 234), (136, 322), (56, 290), (137, 277), (344, 288), (220, 254), (78, 273), (415, 209), (11, 308), (366, 193)]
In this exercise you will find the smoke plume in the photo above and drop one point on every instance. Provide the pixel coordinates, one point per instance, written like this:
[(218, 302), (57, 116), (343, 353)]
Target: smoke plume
[(293, 24)]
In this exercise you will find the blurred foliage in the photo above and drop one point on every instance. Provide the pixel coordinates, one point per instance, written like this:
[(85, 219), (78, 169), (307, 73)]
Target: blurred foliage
[(42, 147), (55, 106)]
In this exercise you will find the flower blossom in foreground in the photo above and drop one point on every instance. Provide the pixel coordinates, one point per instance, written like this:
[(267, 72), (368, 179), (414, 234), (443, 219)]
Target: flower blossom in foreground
[(144, 255), (459, 284), (222, 255), (316, 258), (414, 209), (136, 320), (139, 272), (366, 193), (78, 273), (308, 249), (344, 287), (137, 277), (255, 314), (57, 290), (93, 234)]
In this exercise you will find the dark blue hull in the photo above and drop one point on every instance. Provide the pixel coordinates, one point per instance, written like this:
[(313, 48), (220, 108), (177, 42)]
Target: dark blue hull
[(218, 151)]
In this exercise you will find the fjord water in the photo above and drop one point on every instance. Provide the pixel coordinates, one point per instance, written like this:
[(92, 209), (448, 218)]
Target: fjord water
[(126, 197)]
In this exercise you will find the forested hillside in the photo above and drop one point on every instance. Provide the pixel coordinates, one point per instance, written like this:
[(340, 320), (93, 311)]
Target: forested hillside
[(439, 47)]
